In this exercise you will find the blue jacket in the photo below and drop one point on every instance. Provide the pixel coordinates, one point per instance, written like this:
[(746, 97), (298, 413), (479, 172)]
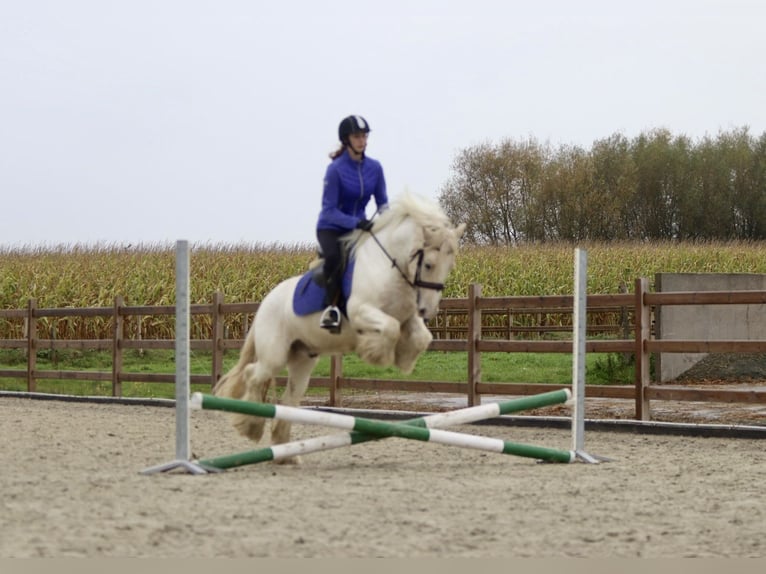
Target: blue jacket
[(348, 187)]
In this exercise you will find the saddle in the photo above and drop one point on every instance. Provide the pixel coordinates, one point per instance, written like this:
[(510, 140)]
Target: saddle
[(317, 266), (309, 295)]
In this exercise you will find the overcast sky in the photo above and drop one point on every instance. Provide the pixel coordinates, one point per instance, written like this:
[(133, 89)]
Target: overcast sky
[(148, 121)]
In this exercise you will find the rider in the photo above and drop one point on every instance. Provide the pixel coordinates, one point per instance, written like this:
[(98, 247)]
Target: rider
[(351, 180)]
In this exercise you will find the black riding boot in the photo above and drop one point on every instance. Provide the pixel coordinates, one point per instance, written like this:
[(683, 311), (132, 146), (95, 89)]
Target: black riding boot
[(330, 319)]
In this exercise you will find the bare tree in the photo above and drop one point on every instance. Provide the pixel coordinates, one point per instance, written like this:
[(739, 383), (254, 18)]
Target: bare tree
[(656, 186), (494, 188)]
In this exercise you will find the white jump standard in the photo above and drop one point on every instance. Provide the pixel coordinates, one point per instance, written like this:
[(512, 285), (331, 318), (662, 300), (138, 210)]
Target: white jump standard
[(182, 386)]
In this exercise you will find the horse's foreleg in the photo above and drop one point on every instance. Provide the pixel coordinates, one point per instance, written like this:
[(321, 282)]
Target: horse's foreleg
[(376, 335), (415, 338), (299, 371)]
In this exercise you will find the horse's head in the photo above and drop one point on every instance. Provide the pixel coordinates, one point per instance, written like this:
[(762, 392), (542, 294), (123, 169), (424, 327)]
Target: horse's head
[(414, 249), (431, 264)]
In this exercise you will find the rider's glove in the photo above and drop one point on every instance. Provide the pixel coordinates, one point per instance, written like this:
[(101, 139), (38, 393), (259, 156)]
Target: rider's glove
[(364, 224)]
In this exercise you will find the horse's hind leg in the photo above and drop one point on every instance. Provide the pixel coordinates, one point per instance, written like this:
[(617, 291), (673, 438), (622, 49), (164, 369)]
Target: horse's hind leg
[(258, 379), (299, 370)]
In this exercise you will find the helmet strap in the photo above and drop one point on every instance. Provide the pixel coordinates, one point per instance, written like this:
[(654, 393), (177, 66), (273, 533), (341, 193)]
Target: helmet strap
[(351, 150)]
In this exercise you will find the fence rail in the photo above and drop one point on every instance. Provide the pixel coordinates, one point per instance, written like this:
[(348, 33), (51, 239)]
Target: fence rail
[(484, 325)]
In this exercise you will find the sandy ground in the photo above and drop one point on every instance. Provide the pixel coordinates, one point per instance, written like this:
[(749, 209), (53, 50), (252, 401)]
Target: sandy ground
[(71, 487)]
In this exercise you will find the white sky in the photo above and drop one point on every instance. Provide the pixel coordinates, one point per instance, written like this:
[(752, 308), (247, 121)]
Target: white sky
[(148, 121)]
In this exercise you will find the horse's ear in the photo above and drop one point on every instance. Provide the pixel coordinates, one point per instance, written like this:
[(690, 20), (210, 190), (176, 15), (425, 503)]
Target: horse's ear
[(459, 230)]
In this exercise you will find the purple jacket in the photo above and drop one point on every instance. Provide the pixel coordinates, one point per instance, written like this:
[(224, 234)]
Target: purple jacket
[(348, 187)]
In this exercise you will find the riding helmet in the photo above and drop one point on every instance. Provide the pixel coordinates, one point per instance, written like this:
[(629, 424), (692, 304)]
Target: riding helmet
[(351, 125)]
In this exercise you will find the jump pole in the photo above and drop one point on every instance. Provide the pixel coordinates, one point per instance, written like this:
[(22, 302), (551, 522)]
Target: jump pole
[(379, 428), (439, 420), (182, 384)]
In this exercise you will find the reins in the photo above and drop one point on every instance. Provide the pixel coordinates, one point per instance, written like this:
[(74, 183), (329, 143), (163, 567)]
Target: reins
[(417, 282)]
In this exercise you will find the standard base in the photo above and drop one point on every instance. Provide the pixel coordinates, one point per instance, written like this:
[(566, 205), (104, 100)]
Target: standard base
[(583, 456), (188, 466)]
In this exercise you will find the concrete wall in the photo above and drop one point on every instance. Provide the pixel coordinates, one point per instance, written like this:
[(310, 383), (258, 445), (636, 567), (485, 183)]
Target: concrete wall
[(705, 322)]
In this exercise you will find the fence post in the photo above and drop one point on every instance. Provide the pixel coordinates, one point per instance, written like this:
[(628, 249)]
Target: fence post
[(624, 322), (336, 372), (53, 355), (31, 345), (139, 323), (217, 334), (474, 335), (445, 331), (117, 336), (642, 333)]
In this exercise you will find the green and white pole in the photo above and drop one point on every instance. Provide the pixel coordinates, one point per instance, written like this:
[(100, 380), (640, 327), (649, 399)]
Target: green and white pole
[(367, 429), (439, 420)]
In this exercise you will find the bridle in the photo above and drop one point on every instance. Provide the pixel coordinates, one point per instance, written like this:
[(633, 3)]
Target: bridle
[(417, 283)]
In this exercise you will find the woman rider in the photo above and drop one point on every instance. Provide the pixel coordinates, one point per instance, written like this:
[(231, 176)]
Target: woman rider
[(351, 180)]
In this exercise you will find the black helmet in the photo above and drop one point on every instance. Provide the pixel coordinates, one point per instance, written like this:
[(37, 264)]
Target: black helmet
[(352, 125)]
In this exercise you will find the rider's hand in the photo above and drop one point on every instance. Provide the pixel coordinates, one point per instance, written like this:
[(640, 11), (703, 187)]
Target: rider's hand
[(364, 224)]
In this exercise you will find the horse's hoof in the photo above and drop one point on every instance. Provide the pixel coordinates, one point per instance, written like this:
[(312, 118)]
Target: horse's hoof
[(290, 460), (252, 429)]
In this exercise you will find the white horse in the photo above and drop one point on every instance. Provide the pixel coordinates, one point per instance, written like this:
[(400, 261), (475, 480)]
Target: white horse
[(399, 272)]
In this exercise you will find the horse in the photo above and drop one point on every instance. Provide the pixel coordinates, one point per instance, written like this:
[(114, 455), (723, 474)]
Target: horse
[(393, 285)]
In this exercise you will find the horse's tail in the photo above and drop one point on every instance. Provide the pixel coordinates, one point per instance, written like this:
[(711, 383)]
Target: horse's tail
[(232, 384)]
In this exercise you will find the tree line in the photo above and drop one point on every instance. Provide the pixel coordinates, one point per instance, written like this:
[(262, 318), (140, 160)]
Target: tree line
[(656, 186)]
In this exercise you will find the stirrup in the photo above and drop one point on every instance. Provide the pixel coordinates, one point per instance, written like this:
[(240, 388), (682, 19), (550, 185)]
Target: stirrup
[(330, 319)]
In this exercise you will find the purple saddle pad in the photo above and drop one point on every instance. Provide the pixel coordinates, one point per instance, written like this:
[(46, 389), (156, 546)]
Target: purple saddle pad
[(308, 297)]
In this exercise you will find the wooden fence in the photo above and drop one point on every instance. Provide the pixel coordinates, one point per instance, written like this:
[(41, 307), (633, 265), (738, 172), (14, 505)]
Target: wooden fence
[(633, 335)]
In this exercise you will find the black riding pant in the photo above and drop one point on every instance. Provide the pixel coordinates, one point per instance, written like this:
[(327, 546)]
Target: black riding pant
[(333, 259)]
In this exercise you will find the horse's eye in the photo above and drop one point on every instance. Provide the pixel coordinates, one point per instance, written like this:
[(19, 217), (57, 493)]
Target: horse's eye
[(428, 266)]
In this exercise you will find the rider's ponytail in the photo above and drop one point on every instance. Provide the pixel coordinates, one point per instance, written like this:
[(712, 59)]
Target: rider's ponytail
[(338, 152)]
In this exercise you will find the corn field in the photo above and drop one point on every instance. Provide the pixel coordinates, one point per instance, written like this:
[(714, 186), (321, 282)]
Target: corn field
[(92, 276)]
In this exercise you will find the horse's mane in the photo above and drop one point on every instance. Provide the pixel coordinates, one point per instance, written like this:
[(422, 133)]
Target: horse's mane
[(424, 211)]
